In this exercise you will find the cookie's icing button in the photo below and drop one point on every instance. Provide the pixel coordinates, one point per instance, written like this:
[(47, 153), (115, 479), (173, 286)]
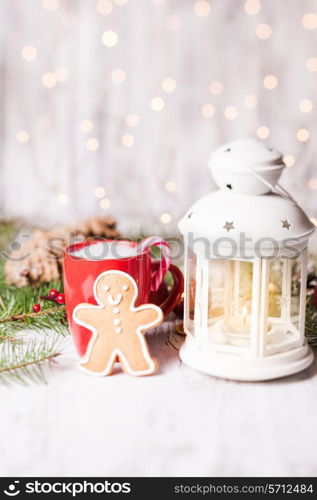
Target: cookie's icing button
[(116, 301), (118, 330), (116, 310), (116, 321)]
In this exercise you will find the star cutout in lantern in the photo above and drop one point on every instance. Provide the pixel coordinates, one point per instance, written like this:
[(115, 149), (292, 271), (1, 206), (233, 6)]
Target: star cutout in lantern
[(285, 224), (228, 226)]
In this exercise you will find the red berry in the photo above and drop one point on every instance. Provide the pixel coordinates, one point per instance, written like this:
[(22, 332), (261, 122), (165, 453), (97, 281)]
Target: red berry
[(37, 308), (60, 299), (53, 293)]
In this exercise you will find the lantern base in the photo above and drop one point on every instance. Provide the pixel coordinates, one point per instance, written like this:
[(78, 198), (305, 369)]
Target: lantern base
[(241, 368)]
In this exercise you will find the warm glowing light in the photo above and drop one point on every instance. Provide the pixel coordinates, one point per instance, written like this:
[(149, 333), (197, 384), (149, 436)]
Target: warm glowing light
[(270, 82), (50, 5), (157, 104), (49, 80), (105, 203), (86, 126), (104, 7), (309, 21), (216, 88), (118, 75), (158, 3), (302, 135), (173, 23), (166, 218), (250, 101), (100, 192), (62, 198), (120, 2), (312, 183), (110, 38), (92, 144), (202, 8), (127, 140), (170, 186), (169, 84), (61, 74), (311, 64), (289, 160), (29, 53), (231, 112), (252, 7), (23, 136), (132, 120), (207, 110), (305, 106), (263, 31), (263, 132)]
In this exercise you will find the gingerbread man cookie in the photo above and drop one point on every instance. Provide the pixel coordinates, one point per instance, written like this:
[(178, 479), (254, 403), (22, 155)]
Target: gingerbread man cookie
[(117, 326)]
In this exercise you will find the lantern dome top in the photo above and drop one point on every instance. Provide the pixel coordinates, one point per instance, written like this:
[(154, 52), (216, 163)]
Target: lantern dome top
[(250, 207), (246, 166)]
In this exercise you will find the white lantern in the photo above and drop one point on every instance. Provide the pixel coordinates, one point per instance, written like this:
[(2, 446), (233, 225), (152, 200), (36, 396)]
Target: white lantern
[(245, 270)]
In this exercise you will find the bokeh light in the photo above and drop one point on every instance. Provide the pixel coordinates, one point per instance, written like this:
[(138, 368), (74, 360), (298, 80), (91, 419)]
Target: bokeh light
[(127, 140), (207, 110), (100, 192), (92, 144), (305, 105), (216, 87), (263, 31), (132, 120), (202, 8), (289, 160), (311, 64), (170, 186), (302, 135), (29, 53), (49, 80), (252, 7), (169, 84), (110, 38), (104, 7), (263, 132), (157, 104), (270, 82), (86, 126), (231, 112), (105, 203), (166, 218), (23, 136), (309, 21)]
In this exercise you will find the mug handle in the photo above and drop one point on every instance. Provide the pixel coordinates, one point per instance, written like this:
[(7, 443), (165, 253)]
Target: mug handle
[(160, 268), (176, 292)]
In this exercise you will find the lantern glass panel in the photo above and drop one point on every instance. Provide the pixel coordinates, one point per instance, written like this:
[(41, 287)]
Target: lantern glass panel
[(230, 302), (275, 288), (282, 325)]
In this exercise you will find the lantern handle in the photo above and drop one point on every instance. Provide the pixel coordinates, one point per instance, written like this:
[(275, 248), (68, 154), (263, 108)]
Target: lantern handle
[(277, 188)]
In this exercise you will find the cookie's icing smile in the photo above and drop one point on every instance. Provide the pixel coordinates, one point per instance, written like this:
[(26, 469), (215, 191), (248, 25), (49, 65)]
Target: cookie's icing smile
[(115, 301)]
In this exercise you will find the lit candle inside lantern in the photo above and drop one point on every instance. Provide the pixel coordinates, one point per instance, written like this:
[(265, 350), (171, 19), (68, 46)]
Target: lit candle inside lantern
[(240, 322)]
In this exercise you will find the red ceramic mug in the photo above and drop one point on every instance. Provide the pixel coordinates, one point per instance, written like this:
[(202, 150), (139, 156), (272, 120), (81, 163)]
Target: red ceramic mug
[(84, 262)]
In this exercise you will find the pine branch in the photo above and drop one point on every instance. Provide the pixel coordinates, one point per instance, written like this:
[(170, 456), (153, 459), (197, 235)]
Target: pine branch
[(24, 362), (24, 317)]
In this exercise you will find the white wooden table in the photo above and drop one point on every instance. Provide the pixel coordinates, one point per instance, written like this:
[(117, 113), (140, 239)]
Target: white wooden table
[(179, 422)]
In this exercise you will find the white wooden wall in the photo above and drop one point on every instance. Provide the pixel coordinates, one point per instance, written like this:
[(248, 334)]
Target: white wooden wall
[(156, 39)]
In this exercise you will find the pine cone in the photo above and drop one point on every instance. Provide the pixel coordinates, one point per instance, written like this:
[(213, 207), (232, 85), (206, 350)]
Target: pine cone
[(39, 259)]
